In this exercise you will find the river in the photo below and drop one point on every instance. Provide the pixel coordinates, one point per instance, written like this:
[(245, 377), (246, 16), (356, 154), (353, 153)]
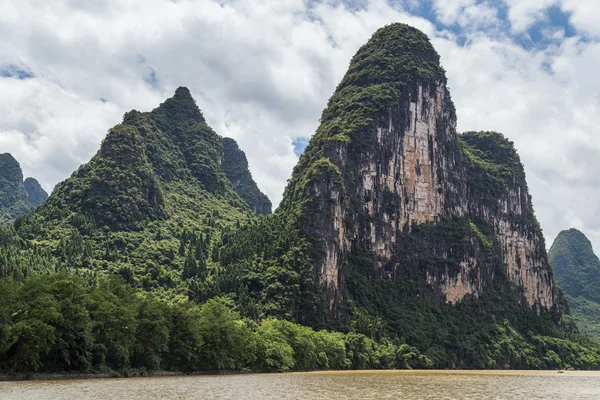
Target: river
[(354, 385)]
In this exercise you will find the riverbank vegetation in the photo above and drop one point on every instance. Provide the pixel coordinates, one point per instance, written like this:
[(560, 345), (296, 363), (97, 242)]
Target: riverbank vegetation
[(150, 257), (61, 323)]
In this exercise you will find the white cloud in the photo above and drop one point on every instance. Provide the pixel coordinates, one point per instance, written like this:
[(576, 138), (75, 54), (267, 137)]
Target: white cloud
[(524, 13), (50, 130), (585, 15), (466, 13), (263, 71)]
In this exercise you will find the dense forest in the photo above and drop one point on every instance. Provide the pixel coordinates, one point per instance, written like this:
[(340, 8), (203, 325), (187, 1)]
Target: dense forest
[(62, 323), (161, 253)]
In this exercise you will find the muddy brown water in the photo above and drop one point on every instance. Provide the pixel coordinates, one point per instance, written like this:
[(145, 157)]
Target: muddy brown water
[(355, 385)]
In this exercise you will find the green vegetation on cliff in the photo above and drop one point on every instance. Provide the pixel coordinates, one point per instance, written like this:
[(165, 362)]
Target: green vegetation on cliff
[(575, 264), (491, 161), (150, 257), (235, 167), (492, 328), (577, 270), (152, 195), (385, 73), (61, 323), (494, 171), (36, 195), (17, 197)]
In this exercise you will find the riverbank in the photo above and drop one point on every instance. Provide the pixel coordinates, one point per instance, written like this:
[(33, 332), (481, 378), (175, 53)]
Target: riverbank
[(158, 374), (113, 375)]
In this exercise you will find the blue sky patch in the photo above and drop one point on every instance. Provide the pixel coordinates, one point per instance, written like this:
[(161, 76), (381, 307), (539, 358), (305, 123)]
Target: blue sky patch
[(552, 28), (150, 76), (300, 144), (540, 35), (14, 71)]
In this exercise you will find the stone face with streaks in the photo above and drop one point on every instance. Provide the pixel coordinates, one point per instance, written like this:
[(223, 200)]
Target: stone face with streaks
[(386, 170)]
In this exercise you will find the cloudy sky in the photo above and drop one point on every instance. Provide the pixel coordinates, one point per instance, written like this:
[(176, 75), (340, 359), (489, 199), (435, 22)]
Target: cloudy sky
[(262, 71)]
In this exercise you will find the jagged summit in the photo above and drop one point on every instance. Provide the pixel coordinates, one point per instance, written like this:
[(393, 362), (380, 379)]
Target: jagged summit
[(155, 183), (180, 108)]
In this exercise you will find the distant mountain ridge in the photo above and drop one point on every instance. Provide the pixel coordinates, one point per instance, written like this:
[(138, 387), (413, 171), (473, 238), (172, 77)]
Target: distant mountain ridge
[(235, 167), (577, 271), (17, 197)]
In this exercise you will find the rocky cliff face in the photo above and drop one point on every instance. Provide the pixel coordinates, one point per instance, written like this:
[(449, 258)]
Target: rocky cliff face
[(17, 198), (497, 193), (235, 167), (387, 178)]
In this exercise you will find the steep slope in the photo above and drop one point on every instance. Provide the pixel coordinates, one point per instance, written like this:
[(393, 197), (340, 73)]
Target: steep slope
[(577, 270), (17, 198), (392, 224), (235, 167), (418, 245), (117, 188), (386, 162), (13, 198), (145, 201), (497, 193), (36, 195)]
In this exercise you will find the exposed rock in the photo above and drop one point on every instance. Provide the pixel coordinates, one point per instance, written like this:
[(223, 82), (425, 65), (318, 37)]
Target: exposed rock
[(387, 160), (497, 193)]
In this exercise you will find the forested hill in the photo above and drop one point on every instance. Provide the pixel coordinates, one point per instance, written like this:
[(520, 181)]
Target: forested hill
[(577, 270), (149, 206), (398, 244), (17, 197)]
